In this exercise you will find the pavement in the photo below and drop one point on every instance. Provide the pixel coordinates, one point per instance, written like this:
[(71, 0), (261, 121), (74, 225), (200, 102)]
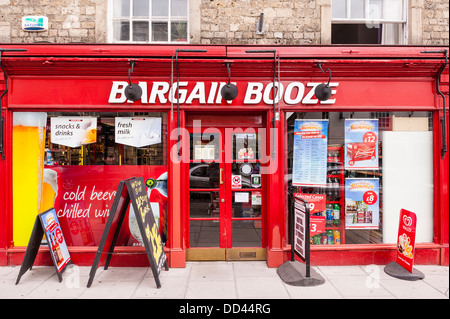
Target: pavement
[(202, 281)]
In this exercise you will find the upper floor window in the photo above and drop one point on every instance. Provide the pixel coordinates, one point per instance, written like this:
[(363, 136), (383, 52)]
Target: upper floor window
[(156, 21), (369, 22)]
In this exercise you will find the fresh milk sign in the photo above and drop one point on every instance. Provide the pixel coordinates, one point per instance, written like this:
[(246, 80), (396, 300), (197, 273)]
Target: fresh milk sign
[(35, 23)]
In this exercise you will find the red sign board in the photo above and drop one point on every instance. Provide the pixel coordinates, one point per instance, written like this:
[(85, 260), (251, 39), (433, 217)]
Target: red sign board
[(317, 204), (406, 239), (317, 225)]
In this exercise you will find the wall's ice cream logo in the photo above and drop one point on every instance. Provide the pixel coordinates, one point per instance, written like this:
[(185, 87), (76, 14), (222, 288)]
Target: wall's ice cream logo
[(407, 220)]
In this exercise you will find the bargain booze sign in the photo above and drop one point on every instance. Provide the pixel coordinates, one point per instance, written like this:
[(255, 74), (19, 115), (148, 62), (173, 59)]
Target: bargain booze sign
[(196, 92), (406, 239)]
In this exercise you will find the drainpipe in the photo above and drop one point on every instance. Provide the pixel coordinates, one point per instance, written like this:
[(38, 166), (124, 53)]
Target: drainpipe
[(444, 119), (2, 144)]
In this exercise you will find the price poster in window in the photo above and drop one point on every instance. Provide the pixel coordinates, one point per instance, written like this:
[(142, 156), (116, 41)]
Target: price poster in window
[(361, 144), (317, 207), (362, 205), (310, 153)]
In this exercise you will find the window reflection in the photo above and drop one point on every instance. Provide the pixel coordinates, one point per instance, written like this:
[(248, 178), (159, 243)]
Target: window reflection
[(204, 175)]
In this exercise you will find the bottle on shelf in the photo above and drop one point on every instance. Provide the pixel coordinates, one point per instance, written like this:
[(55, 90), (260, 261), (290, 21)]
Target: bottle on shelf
[(329, 215), (328, 190), (335, 187), (336, 214), (330, 239)]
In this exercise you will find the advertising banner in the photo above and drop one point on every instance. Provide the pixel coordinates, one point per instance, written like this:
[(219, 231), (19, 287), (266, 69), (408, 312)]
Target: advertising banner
[(362, 206), (73, 131), (55, 239), (317, 207), (138, 131), (361, 144), (83, 195), (310, 153), (406, 239), (47, 224)]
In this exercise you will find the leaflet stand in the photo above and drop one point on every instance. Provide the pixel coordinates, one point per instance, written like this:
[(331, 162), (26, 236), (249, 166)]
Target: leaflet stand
[(293, 272)]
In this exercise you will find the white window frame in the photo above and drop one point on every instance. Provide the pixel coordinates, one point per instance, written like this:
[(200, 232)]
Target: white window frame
[(371, 22), (169, 19)]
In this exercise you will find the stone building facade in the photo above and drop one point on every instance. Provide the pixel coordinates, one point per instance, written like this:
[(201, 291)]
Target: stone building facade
[(214, 21)]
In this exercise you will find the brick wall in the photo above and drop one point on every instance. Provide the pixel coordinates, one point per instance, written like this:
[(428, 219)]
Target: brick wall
[(68, 20), (435, 22), (234, 22)]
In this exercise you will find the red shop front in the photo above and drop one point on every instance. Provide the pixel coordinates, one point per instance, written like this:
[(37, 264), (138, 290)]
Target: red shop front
[(220, 173)]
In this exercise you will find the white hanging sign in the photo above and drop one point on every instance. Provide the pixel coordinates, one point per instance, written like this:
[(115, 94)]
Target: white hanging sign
[(73, 131), (138, 131)]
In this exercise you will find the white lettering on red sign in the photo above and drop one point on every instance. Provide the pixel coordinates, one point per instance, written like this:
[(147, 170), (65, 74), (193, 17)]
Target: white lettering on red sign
[(255, 93)]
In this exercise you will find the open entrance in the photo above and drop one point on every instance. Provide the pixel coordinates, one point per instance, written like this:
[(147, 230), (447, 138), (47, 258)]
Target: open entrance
[(226, 201)]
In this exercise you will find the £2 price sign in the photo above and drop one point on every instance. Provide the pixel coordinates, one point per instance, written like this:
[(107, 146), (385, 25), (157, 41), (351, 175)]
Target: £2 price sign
[(406, 239)]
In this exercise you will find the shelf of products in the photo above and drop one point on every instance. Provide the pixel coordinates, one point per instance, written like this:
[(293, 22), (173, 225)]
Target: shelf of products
[(335, 212)]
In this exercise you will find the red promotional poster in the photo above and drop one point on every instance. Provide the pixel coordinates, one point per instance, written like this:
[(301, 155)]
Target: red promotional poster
[(317, 206), (83, 196), (406, 239)]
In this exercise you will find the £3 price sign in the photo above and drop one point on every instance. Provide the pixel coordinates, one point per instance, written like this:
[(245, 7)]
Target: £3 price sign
[(406, 239)]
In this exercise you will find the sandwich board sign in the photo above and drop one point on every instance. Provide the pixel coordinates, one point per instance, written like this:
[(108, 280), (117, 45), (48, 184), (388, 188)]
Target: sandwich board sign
[(403, 266), (132, 190), (47, 223), (406, 239)]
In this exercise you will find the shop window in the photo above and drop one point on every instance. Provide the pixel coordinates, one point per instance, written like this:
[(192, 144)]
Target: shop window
[(367, 167), (155, 21), (105, 150), (368, 22), (85, 156)]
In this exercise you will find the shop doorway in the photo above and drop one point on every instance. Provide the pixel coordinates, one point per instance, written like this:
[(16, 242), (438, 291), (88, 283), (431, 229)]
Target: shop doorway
[(226, 195)]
